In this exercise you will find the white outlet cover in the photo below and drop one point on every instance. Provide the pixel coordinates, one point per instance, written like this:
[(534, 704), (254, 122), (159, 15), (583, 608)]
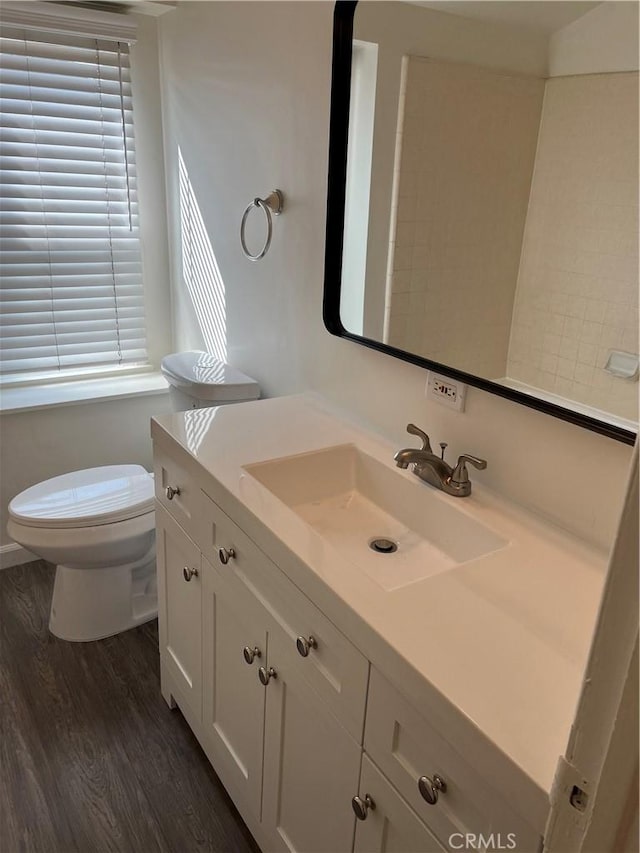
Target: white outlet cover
[(454, 393)]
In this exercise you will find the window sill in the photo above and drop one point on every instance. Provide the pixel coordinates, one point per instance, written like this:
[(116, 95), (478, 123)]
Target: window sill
[(31, 398)]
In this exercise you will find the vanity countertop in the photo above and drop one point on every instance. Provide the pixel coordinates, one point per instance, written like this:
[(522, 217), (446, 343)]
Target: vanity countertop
[(501, 641)]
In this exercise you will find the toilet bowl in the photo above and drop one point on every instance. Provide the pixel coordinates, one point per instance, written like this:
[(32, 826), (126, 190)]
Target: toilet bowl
[(98, 527)]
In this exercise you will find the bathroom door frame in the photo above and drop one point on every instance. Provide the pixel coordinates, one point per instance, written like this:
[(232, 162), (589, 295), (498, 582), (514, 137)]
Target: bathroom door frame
[(594, 801)]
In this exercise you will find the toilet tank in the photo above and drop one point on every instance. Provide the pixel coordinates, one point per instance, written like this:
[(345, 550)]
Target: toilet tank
[(198, 379)]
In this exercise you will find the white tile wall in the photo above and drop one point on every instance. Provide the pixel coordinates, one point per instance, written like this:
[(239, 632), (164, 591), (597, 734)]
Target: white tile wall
[(467, 138), (577, 294)]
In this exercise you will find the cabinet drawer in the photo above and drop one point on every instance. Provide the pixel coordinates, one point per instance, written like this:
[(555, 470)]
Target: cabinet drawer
[(184, 500), (406, 748), (333, 667), (390, 826)]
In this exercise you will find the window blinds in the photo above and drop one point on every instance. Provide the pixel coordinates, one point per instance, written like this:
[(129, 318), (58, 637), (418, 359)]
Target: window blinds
[(71, 284)]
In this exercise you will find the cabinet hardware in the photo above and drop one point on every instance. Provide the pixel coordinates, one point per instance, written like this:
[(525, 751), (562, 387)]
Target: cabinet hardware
[(361, 807), (226, 554), (171, 492), (304, 644), (189, 573), (430, 788), (265, 675), (251, 653)]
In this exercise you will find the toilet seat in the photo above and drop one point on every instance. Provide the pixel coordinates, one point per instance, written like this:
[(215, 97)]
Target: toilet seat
[(88, 498)]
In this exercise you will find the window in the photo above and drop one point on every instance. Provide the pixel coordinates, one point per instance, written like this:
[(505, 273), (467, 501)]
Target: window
[(71, 286)]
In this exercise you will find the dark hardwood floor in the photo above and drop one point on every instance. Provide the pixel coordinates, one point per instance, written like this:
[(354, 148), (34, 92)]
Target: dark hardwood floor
[(91, 757)]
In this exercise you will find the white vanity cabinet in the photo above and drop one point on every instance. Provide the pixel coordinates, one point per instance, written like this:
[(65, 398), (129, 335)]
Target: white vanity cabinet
[(326, 660), (283, 712), (269, 735), (277, 695), (274, 692)]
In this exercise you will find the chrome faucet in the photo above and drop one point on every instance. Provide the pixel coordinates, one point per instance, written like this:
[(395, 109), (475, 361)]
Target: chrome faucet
[(434, 470)]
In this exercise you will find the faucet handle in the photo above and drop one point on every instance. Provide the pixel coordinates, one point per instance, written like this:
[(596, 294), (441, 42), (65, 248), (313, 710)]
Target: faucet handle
[(460, 473), (412, 429)]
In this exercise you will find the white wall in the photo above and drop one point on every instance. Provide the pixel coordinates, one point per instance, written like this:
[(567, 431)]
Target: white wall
[(603, 40), (244, 86), (246, 89)]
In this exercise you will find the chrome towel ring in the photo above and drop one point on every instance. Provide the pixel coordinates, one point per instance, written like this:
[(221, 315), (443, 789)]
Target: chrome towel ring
[(271, 204)]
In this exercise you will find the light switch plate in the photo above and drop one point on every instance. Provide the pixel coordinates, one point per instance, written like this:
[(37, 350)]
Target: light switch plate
[(448, 392)]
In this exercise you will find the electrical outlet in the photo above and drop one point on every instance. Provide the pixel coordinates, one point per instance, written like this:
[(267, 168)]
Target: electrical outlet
[(446, 391)]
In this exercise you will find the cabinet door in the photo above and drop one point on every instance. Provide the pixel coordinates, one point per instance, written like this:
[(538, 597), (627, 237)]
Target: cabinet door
[(311, 763), (390, 826), (234, 698), (333, 667), (180, 610)]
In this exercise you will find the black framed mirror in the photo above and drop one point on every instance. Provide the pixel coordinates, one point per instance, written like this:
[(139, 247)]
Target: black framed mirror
[(475, 155)]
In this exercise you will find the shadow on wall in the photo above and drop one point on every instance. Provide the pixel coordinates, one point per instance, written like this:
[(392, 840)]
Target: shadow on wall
[(200, 270)]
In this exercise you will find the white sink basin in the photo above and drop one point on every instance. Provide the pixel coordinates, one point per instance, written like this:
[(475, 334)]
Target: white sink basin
[(350, 498)]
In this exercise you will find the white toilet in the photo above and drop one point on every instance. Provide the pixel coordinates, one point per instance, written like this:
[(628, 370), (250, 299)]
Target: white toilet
[(198, 380), (98, 526)]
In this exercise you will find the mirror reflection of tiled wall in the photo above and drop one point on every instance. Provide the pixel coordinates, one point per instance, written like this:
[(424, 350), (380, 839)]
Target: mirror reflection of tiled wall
[(467, 141), (577, 295), (469, 223)]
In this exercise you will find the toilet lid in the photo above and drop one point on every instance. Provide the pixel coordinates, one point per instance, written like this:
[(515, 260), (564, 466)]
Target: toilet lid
[(203, 376), (86, 498)]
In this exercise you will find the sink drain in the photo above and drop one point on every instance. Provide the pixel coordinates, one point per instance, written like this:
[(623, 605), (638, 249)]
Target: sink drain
[(383, 546)]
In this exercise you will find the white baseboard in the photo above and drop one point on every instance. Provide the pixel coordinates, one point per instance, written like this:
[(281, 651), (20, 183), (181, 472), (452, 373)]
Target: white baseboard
[(14, 555)]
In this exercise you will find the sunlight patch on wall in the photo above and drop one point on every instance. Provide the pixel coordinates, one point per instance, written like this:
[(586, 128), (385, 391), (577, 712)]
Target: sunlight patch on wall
[(200, 269), (197, 423)]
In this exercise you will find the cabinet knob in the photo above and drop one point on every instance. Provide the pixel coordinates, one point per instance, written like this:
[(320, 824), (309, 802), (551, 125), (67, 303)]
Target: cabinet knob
[(361, 807), (171, 492), (303, 644), (251, 653), (188, 573), (226, 554), (265, 675), (430, 788)]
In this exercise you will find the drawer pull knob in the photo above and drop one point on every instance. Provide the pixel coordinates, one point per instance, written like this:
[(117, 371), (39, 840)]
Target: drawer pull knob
[(265, 675), (304, 644), (361, 807), (188, 573), (251, 653), (226, 554), (431, 788), (171, 492)]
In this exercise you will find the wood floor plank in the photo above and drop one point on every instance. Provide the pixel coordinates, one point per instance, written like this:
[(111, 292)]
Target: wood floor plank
[(22, 788), (92, 757)]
